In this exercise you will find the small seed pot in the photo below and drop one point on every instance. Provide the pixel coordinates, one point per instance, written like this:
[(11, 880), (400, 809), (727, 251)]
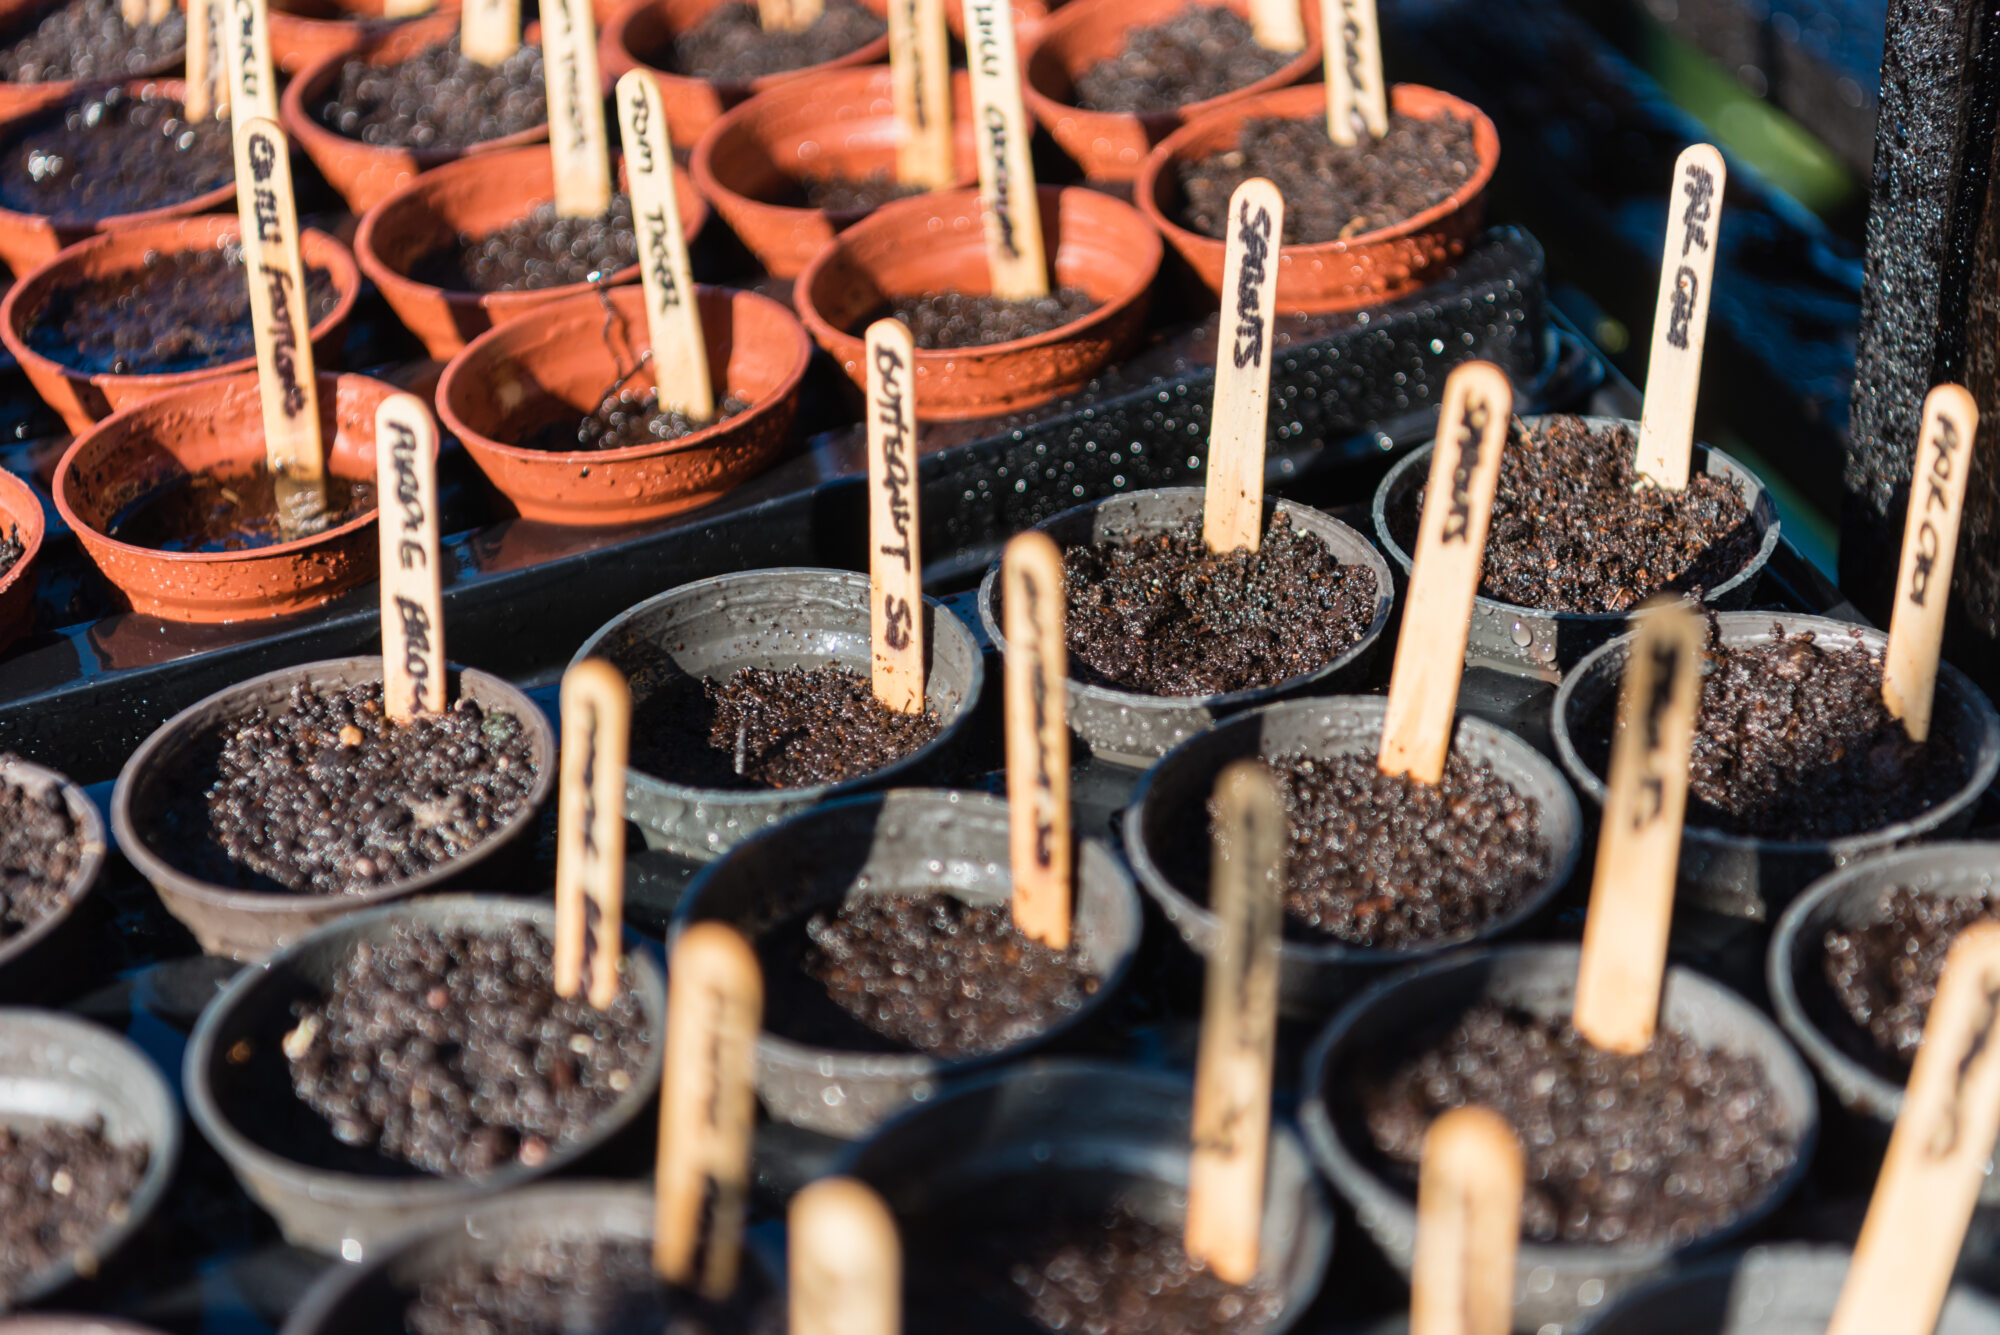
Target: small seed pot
[(20, 517), (28, 957), (908, 841), (18, 18)]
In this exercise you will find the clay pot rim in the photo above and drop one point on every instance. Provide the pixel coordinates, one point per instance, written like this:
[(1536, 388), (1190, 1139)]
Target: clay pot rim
[(613, 38), (16, 770), (21, 506), (694, 440)]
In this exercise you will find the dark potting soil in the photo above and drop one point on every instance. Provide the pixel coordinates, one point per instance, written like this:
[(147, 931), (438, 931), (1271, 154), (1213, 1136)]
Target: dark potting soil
[(12, 548), (1161, 614), (1202, 52), (180, 311), (436, 99), (839, 195), (623, 418), (1331, 192), (40, 851), (767, 728), (961, 320), (201, 512), (731, 46), (326, 795), (89, 39), (541, 250), (448, 1049), (1886, 973), (61, 1184), (1660, 1147), (112, 153)]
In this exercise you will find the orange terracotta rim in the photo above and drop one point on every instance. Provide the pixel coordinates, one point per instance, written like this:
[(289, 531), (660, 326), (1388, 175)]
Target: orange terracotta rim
[(20, 513), (616, 41), (298, 40)]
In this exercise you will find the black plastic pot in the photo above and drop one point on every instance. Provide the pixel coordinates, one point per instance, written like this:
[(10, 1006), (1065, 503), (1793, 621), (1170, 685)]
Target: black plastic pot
[(1135, 729), (1080, 1136), (1315, 974), (906, 841), (1746, 877), (1558, 1288), (249, 924), (33, 954), (781, 618), (1549, 642), (325, 1195)]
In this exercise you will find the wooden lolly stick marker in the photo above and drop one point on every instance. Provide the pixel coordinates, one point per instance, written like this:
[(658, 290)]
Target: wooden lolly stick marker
[(404, 9), (576, 110), (202, 33), (673, 318), (489, 31), (1239, 1026), (590, 831), (1930, 545), (845, 1259), (157, 10), (1278, 25), (1357, 99), (246, 58), (413, 671), (1937, 1155), (132, 11), (1009, 206), (1468, 1226), (1638, 849), (895, 564), (1444, 575), (270, 224), (920, 77), (708, 1108), (1680, 318), (1031, 595), (788, 15), (1232, 509)]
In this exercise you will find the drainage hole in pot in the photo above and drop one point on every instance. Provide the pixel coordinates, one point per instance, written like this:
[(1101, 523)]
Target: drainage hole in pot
[(201, 512), (730, 44), (41, 848), (939, 320), (89, 39), (61, 1184), (113, 153), (1202, 52), (1885, 973), (436, 99), (542, 250)]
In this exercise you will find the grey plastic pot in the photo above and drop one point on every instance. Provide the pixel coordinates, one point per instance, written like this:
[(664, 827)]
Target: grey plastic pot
[(336, 1198), (1558, 1287), (1135, 729), (1078, 1136), (1315, 975), (1547, 643), (1745, 877), (779, 618), (28, 957), (907, 841), (57, 1068), (249, 924)]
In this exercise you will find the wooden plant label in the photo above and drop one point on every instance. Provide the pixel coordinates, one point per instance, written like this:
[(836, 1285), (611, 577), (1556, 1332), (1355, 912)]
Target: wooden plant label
[(1239, 1026), (246, 51), (207, 85), (788, 15), (1278, 25), (157, 10), (845, 1261), (489, 31), (920, 75), (1638, 851), (132, 11), (590, 831), (1031, 594), (1444, 575), (405, 9), (576, 110), (1009, 205), (708, 1109), (1937, 1155), (1468, 1226), (1232, 509), (1357, 99), (413, 672), (895, 565), (1680, 318), (673, 318), (1930, 544)]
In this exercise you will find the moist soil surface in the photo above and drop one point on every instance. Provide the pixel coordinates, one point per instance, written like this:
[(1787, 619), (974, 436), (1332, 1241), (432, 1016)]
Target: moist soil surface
[(1202, 52), (183, 310), (201, 512), (112, 153), (623, 418), (731, 46), (12, 548), (89, 39), (41, 848), (1886, 974), (541, 250), (1659, 1147), (939, 320), (1331, 192), (837, 194), (60, 1185), (1160, 614), (436, 99), (448, 1049)]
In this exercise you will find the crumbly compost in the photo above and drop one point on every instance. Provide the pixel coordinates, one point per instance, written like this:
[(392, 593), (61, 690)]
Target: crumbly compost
[(1202, 52), (206, 512), (1886, 973), (940, 320), (1123, 1275), (839, 194), (731, 46), (89, 39), (624, 418), (111, 153), (541, 250), (12, 549), (437, 99), (41, 848), (61, 1184)]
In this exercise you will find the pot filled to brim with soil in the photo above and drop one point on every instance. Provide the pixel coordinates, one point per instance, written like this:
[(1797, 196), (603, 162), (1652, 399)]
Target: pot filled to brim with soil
[(891, 962), (1797, 766), (130, 314), (1634, 1163), (51, 851), (103, 159), (171, 498), (51, 48), (1579, 539), (89, 1136), (812, 157), (752, 701), (1363, 225), (1053, 1196), (291, 799), (22, 526), (478, 243), (1166, 637), (1381, 871), (1109, 79), (304, 32), (561, 412)]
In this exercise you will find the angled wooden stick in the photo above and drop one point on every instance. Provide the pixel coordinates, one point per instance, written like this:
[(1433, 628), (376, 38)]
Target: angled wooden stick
[(1468, 1226), (1930, 545), (895, 559), (1232, 509), (489, 31), (413, 671), (1038, 821), (157, 10), (920, 75), (1278, 25), (577, 139), (1008, 203), (1357, 99), (846, 1261), (246, 52), (132, 11), (788, 15), (590, 831), (202, 34), (673, 316), (1680, 318)]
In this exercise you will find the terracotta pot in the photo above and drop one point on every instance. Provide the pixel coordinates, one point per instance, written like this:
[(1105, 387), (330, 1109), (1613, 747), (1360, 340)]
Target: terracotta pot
[(935, 243), (84, 397), (639, 31), (17, 19), (507, 380), (217, 426), (1365, 270), (20, 511), (1027, 14), (29, 239), (473, 197), (1111, 145), (839, 124), (304, 32)]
